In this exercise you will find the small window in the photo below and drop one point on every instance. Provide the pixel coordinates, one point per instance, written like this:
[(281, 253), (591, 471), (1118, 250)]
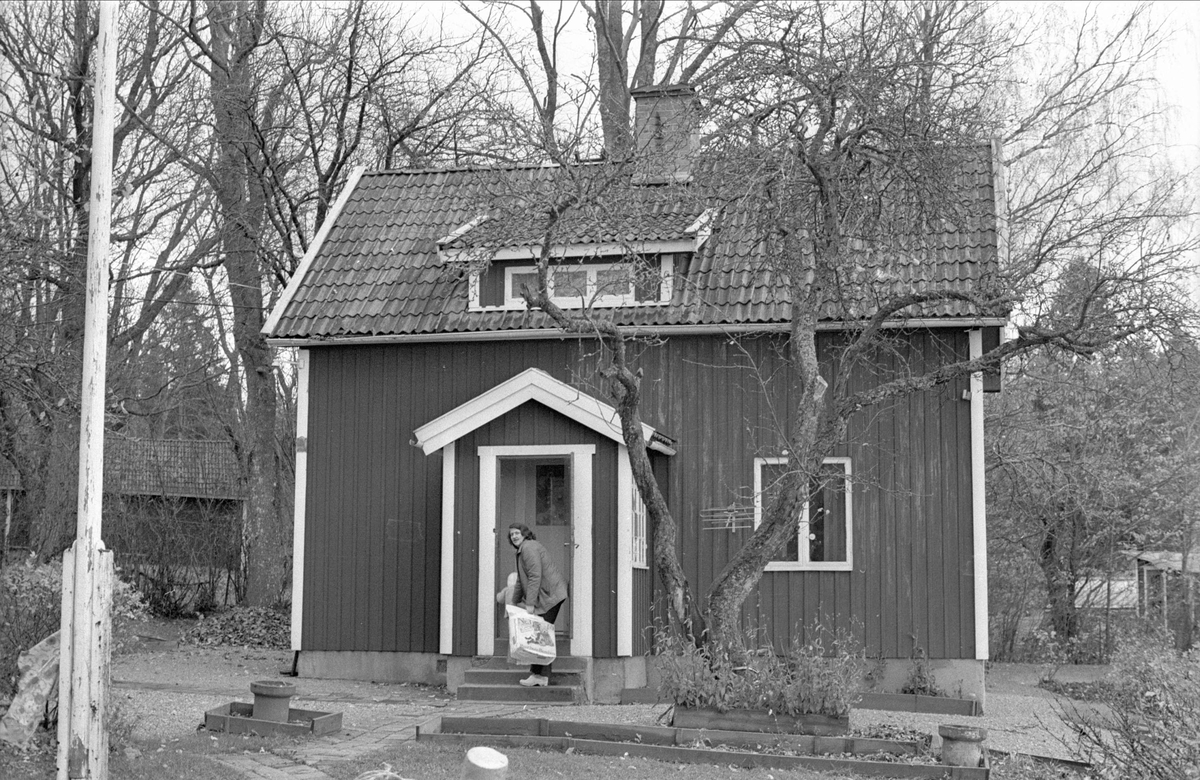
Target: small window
[(822, 539), (639, 531), (579, 285)]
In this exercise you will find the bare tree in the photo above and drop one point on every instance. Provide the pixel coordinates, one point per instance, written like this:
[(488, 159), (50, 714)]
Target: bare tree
[(45, 115), (298, 97), (843, 127)]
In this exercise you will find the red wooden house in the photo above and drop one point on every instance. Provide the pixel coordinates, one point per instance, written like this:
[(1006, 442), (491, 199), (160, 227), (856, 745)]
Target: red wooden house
[(434, 409)]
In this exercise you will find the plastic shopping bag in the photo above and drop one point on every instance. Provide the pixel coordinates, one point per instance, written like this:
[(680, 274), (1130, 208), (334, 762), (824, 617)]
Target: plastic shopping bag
[(530, 639)]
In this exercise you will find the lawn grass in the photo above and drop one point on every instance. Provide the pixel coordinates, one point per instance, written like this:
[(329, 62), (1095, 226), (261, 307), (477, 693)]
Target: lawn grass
[(189, 757), (430, 761)]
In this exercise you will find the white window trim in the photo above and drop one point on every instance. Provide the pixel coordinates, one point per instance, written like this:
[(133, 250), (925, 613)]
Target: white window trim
[(514, 302), (641, 522), (806, 565)]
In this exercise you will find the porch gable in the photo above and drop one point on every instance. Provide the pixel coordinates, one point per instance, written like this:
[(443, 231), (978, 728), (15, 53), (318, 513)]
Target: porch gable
[(532, 384)]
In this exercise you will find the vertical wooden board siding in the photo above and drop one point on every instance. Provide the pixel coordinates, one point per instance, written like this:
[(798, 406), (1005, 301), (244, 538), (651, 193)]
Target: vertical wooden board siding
[(966, 568), (394, 554), (375, 413), (885, 563), (342, 618), (323, 522), (699, 391), (604, 550), (342, 621), (643, 620), (426, 548), (910, 415), (942, 451), (930, 631), (315, 546)]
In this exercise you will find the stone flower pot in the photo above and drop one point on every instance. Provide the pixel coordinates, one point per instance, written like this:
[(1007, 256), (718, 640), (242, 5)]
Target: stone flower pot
[(272, 699), (962, 745)]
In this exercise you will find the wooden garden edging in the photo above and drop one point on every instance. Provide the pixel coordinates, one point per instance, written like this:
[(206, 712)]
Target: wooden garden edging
[(681, 737), (911, 702), (759, 721), (597, 739), (892, 702)]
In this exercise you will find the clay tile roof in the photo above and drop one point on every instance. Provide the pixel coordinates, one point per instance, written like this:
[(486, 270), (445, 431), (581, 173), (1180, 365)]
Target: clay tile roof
[(379, 271), (162, 467), (9, 478), (172, 467)]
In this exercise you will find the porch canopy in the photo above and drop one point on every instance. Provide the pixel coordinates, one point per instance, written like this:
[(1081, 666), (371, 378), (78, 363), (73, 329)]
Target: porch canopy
[(534, 384)]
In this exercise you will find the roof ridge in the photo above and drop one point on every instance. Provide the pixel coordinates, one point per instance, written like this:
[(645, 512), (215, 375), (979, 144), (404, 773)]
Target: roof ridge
[(468, 168)]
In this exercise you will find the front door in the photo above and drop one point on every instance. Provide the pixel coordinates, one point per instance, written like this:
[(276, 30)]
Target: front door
[(534, 491)]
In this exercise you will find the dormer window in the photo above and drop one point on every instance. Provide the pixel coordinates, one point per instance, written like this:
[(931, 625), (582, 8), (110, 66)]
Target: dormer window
[(577, 284), (587, 270)]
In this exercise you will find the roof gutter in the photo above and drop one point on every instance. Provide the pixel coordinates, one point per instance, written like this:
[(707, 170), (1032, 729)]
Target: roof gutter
[(306, 262), (651, 331)]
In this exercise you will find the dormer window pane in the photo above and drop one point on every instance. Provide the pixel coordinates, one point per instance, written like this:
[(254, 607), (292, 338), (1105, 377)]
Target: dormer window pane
[(570, 284), (614, 281), (529, 280), (628, 281)]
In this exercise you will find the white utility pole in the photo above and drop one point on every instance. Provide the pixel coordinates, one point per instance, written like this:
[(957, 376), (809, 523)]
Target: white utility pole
[(87, 568)]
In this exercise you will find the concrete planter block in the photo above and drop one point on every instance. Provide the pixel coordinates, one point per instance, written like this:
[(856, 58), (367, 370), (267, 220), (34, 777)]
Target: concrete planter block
[(962, 745), (271, 699)]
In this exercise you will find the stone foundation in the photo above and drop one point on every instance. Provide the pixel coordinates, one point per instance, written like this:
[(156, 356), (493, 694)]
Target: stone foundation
[(612, 675), (958, 678), (962, 679), (425, 668)]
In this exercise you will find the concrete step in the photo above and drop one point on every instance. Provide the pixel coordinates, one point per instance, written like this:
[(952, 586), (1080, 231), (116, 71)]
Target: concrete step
[(561, 664), (554, 694), (513, 675)]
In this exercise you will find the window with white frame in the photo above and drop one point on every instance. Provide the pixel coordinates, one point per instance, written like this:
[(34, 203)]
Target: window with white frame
[(639, 531), (577, 285), (822, 538)]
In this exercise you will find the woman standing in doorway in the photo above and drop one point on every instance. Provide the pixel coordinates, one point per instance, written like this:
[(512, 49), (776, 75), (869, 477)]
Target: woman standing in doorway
[(541, 588)]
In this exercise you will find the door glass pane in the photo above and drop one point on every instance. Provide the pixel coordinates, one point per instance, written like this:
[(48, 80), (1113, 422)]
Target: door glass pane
[(552, 502)]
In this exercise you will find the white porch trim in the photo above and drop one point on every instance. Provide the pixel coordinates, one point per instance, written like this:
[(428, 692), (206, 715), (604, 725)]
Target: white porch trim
[(625, 491), (978, 503), (298, 501), (446, 607), (532, 384), (581, 533)]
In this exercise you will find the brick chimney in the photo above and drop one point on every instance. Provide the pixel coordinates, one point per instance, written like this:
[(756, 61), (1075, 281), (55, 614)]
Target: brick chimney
[(666, 133)]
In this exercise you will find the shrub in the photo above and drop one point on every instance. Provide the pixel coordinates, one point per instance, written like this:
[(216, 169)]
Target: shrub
[(920, 678), (182, 554), (820, 676), (1150, 728), (31, 610)]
